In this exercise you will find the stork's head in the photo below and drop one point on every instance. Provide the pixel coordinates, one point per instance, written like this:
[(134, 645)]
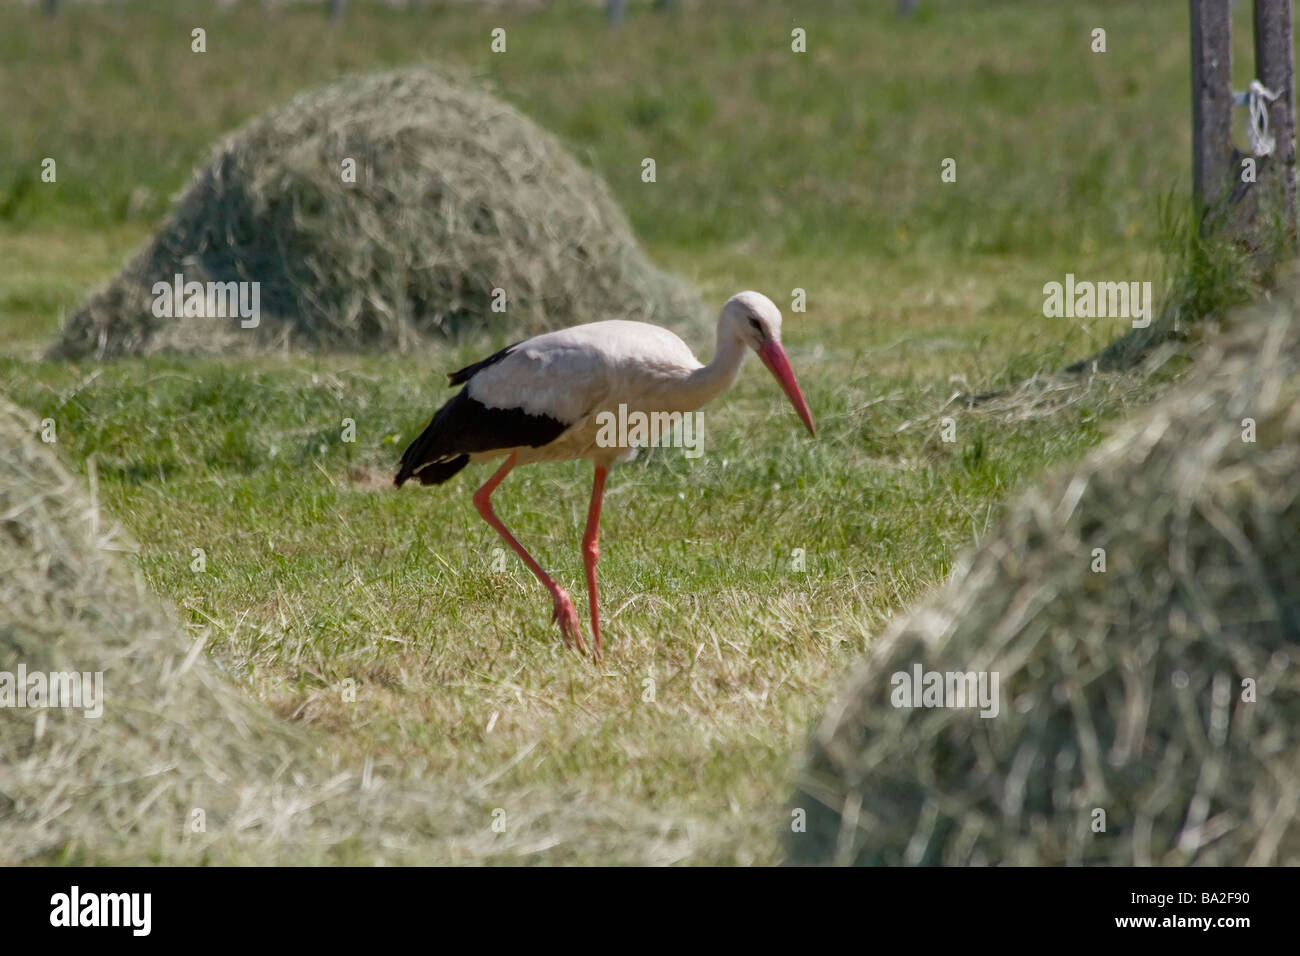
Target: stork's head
[(755, 320)]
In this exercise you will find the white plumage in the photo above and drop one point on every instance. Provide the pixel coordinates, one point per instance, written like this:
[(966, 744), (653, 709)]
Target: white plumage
[(542, 400), (574, 374)]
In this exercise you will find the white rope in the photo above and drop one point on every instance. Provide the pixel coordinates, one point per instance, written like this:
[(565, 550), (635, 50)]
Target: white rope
[(1257, 98)]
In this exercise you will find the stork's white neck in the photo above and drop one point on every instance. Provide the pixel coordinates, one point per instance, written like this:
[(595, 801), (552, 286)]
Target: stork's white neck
[(707, 383)]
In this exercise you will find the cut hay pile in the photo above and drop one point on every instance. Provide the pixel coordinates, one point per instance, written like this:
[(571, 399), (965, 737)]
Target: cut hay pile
[(455, 195), (174, 739), (170, 738), (1150, 713)]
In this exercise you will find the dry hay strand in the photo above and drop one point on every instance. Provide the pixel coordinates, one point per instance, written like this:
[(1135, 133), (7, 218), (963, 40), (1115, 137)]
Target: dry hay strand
[(173, 738), (456, 195), (1048, 395), (1163, 692)]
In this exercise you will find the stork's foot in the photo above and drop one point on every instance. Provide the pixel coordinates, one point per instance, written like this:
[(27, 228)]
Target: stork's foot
[(567, 618)]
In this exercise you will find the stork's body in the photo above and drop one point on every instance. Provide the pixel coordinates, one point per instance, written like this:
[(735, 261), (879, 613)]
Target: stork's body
[(542, 400)]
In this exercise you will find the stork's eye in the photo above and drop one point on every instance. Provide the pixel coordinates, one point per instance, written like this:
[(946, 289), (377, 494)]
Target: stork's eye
[(755, 325)]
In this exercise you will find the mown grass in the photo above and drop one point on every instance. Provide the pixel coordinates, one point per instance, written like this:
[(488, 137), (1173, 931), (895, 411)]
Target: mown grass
[(315, 577), (775, 171)]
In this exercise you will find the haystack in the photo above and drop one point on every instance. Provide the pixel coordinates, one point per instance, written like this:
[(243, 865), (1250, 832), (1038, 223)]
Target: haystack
[(1148, 707), (463, 216), (168, 739)]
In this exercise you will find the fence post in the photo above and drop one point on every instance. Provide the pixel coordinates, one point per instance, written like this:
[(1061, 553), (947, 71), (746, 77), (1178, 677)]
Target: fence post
[(1211, 99), (1275, 68)]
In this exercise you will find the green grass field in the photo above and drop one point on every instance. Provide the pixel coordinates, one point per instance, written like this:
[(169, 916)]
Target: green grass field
[(775, 170)]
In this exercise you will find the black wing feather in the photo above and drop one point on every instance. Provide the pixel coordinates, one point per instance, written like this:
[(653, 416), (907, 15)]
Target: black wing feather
[(465, 425), (461, 376)]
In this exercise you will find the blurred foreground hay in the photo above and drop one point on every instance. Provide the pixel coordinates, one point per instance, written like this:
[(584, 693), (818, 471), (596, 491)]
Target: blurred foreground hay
[(455, 195), (1164, 691), (174, 738), (171, 737)]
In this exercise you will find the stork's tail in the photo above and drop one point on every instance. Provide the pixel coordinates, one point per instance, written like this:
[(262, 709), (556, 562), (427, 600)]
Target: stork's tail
[(433, 473), (465, 426), (426, 460)]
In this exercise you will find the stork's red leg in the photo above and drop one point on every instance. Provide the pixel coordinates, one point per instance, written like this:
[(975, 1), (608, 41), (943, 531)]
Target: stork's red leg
[(591, 551), (564, 612)]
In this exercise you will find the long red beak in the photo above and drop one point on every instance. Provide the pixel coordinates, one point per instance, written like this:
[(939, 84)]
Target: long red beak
[(773, 357)]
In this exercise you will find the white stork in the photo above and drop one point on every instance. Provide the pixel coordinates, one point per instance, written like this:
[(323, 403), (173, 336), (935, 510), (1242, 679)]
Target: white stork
[(542, 399)]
